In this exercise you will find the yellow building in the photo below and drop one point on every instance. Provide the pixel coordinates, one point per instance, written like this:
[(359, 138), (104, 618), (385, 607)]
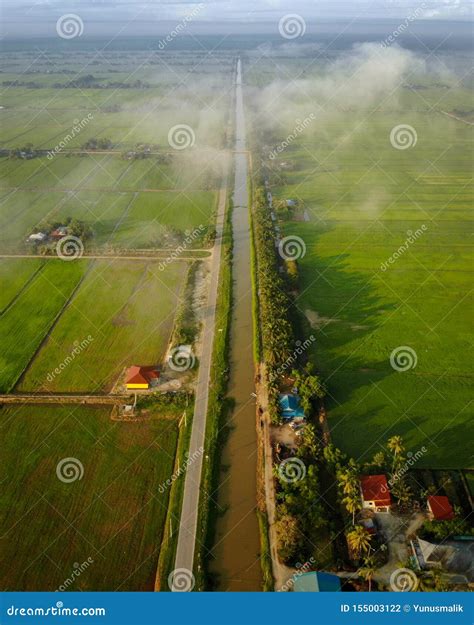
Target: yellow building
[(141, 377)]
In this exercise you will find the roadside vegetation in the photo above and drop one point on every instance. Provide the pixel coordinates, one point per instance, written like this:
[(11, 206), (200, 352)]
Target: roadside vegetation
[(219, 408)]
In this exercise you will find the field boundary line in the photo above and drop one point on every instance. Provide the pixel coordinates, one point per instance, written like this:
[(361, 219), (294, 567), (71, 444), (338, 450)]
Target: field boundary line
[(459, 119), (55, 321), (19, 293)]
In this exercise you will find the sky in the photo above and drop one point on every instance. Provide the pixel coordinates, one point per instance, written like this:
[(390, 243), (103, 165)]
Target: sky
[(39, 16)]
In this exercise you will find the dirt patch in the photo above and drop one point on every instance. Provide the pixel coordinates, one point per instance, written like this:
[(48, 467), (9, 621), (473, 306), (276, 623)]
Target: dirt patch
[(316, 320), (201, 289)]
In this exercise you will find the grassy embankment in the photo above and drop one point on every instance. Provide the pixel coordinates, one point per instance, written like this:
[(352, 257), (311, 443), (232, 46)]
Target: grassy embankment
[(218, 408)]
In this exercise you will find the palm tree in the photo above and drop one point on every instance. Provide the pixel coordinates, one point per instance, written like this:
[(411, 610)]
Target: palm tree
[(367, 571), (352, 503), (395, 445), (359, 541), (348, 481)]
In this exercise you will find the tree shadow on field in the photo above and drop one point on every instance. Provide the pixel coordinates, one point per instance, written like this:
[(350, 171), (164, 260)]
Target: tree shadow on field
[(339, 306)]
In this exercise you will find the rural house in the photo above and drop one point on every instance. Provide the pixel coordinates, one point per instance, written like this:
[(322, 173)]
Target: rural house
[(317, 581), (375, 493), (141, 377), (37, 237), (59, 232), (290, 406), (439, 508)]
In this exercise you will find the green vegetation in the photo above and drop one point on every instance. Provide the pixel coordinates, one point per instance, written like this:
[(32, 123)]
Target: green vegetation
[(186, 327), (171, 533), (219, 407), (363, 291), (127, 308), (114, 514), (15, 275), (26, 323)]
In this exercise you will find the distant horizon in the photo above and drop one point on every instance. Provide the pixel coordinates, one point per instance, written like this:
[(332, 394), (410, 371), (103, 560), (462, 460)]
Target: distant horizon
[(38, 18), (98, 29)]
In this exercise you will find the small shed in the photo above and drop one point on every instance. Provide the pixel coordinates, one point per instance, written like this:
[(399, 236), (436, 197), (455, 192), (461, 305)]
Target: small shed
[(59, 232), (317, 581), (37, 237), (290, 407), (439, 508)]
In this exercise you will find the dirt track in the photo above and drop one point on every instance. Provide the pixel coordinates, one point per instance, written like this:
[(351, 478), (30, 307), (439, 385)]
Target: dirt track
[(64, 398)]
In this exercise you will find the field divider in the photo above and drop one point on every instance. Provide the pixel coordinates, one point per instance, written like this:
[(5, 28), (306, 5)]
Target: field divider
[(19, 293), (52, 326)]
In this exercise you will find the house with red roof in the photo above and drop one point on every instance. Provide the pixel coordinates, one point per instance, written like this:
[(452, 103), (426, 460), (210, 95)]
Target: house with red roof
[(375, 493), (138, 377), (439, 508)]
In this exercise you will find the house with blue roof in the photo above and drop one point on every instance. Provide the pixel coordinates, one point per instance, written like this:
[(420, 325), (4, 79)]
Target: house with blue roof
[(290, 407), (317, 581)]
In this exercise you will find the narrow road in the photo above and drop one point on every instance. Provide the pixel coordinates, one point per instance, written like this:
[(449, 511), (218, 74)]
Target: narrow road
[(163, 254), (62, 398), (192, 483)]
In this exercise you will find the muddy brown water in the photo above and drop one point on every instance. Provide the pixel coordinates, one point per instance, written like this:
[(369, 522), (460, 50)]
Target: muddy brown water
[(236, 549)]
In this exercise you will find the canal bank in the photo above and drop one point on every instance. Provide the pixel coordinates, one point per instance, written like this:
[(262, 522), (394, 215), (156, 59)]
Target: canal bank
[(235, 553)]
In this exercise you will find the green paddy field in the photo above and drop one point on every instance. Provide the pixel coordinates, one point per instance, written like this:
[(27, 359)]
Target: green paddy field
[(359, 199), (121, 311), (113, 515)]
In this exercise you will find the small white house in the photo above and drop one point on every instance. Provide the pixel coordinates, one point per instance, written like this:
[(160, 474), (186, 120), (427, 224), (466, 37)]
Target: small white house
[(37, 237)]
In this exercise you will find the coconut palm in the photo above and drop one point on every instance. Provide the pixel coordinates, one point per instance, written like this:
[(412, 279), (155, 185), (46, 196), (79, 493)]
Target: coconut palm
[(395, 445), (359, 541), (353, 505), (367, 571)]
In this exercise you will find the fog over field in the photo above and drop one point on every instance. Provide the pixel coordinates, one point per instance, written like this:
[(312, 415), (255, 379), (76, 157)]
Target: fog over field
[(236, 297)]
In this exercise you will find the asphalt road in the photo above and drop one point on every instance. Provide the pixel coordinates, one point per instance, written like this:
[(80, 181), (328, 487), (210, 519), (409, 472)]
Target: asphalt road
[(189, 512)]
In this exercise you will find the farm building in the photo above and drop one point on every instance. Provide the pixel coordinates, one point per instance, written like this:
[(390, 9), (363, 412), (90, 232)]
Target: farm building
[(37, 237), (316, 581), (291, 203), (59, 232), (375, 493), (141, 377), (290, 406), (439, 508)]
